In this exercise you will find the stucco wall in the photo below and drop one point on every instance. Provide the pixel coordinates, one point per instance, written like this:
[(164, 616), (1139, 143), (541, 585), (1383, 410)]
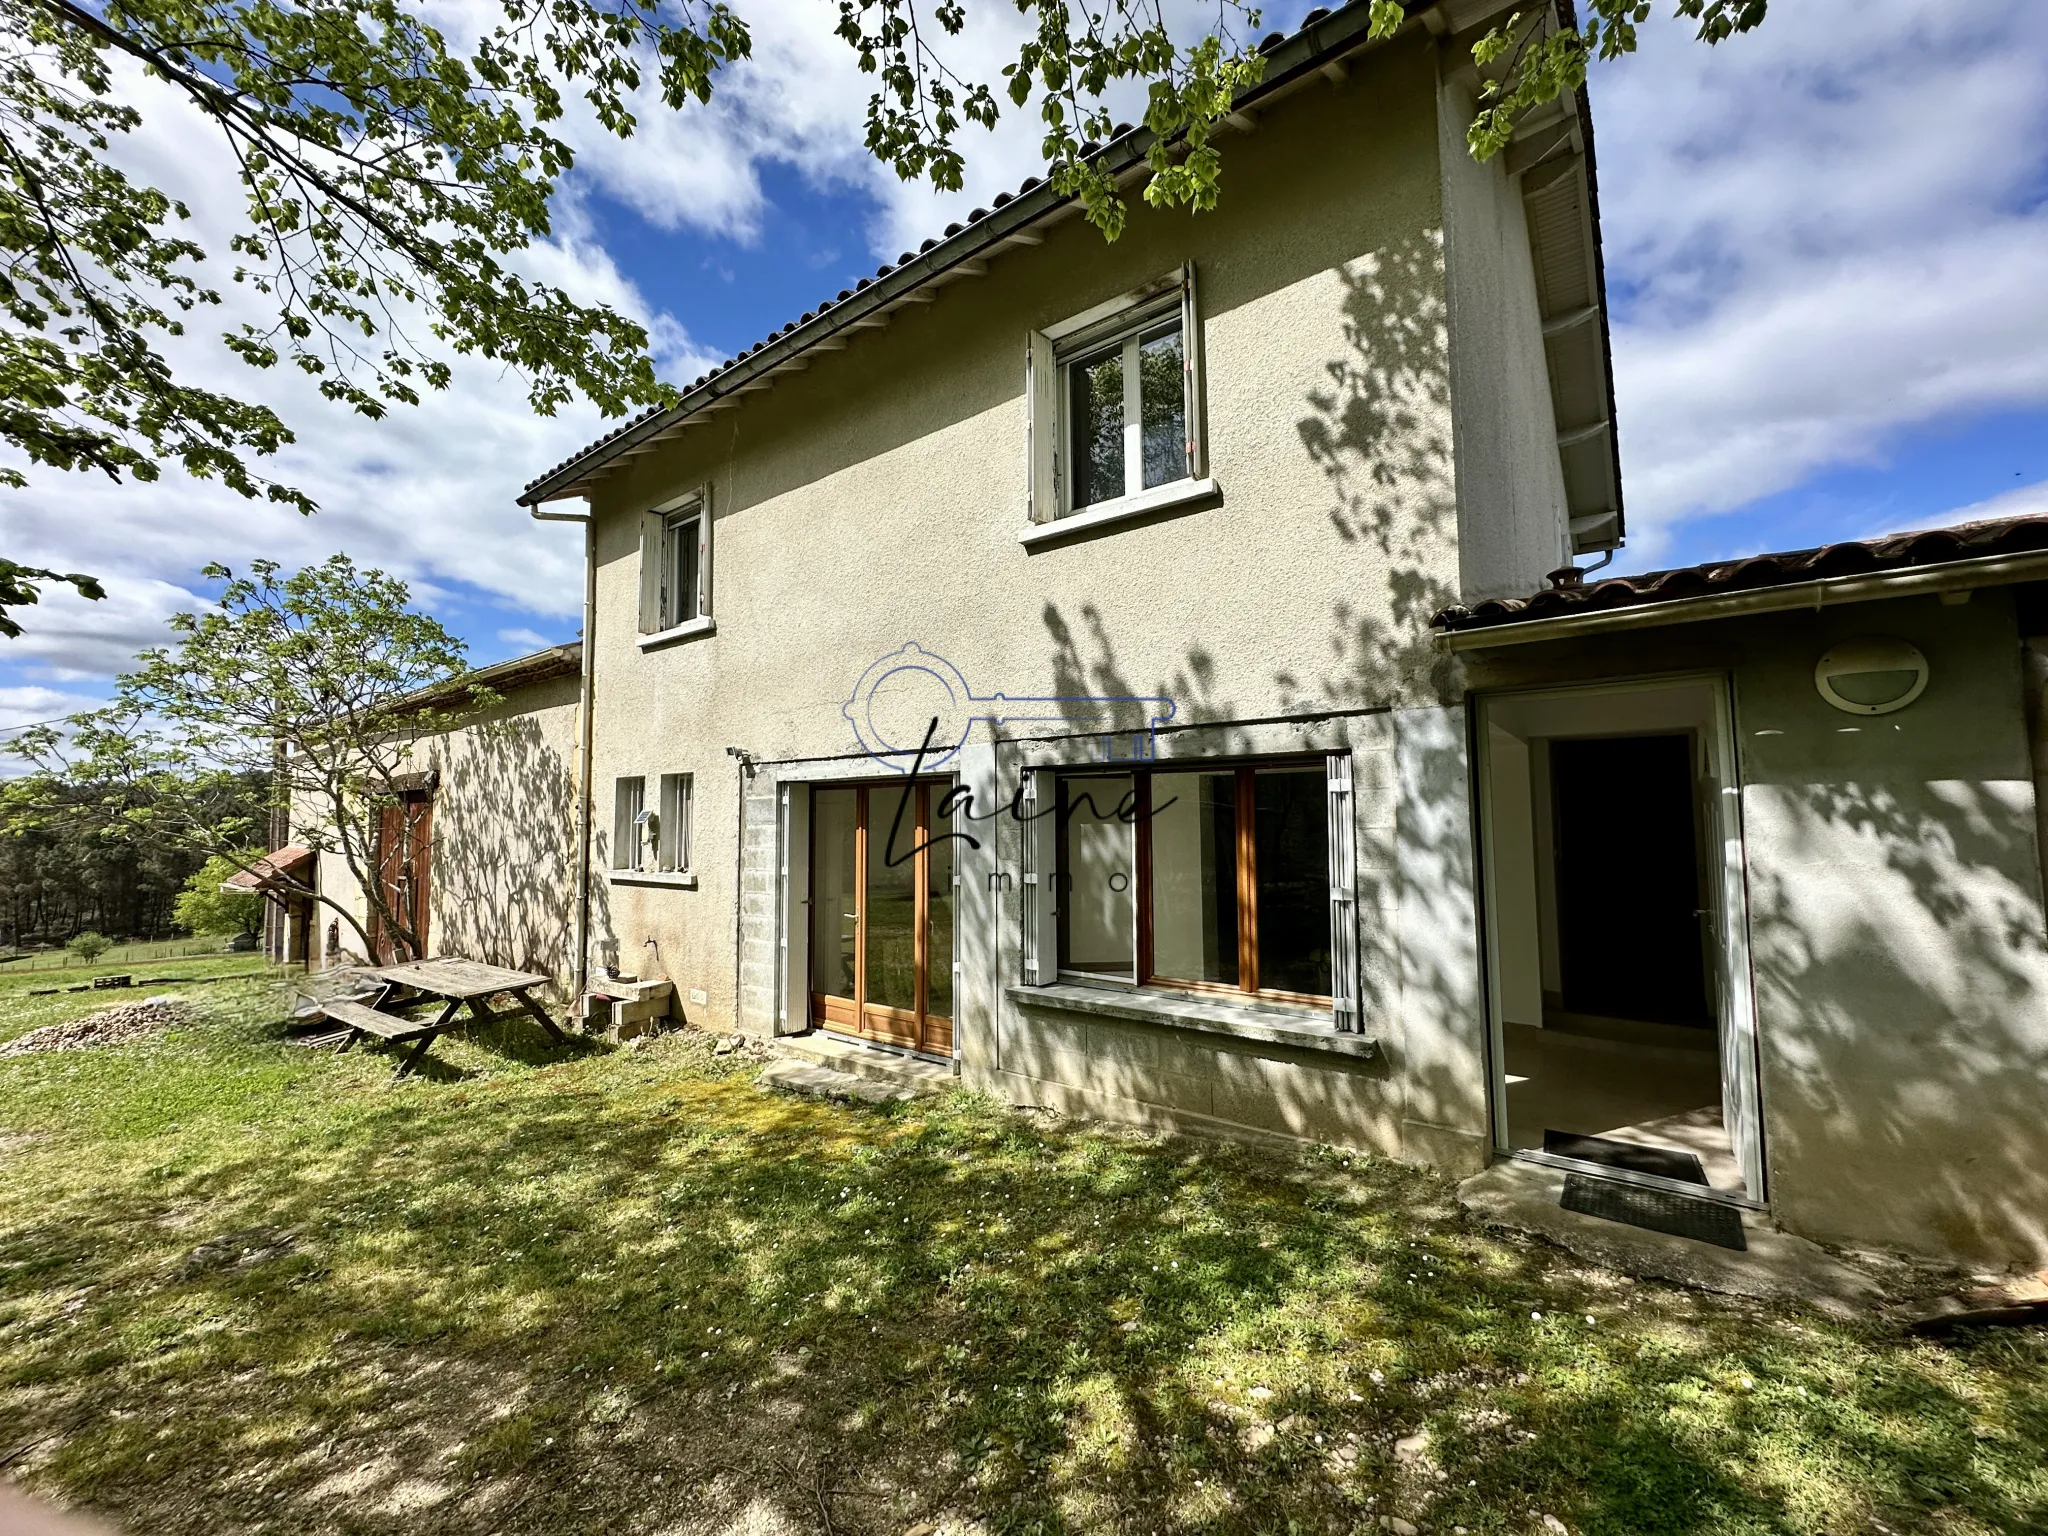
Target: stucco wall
[(1898, 943), (503, 886), (502, 882), (1900, 949), (876, 499), (1512, 508)]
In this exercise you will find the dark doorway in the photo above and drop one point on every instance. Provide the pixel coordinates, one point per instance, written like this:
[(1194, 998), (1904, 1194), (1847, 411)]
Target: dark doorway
[(1628, 884)]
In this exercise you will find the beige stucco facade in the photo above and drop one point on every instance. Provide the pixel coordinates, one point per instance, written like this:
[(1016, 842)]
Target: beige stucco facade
[(877, 499), (1383, 418), (1897, 936)]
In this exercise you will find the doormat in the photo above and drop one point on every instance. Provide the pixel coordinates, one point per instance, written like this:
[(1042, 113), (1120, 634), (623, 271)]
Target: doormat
[(1655, 1210), (1665, 1162)]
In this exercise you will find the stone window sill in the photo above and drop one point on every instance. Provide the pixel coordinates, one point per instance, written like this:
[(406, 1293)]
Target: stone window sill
[(685, 631), (676, 879), (1124, 509), (1304, 1029)]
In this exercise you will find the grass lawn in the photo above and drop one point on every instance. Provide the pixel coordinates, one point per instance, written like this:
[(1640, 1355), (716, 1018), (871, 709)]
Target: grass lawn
[(630, 1292)]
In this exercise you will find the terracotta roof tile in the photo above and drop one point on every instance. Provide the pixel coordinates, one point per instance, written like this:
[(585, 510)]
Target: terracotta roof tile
[(1569, 594)]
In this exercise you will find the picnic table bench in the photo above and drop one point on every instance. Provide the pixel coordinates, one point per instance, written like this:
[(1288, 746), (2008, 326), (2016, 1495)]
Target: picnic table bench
[(458, 983)]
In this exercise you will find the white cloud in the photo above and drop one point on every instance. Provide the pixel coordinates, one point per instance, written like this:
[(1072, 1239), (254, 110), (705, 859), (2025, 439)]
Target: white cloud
[(524, 639), (1817, 236), (2021, 501), (68, 639), (427, 493), (32, 705)]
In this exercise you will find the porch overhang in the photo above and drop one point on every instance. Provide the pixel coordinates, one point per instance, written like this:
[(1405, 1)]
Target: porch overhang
[(1931, 563)]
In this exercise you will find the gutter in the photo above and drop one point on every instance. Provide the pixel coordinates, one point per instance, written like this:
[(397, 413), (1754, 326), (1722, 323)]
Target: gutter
[(586, 694), (1315, 45), (1953, 576)]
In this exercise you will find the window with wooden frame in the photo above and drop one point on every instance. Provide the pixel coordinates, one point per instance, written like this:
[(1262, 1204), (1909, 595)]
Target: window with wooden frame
[(675, 565), (1228, 878), (1116, 403)]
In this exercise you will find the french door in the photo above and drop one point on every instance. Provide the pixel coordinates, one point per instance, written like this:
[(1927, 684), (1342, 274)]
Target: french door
[(882, 914)]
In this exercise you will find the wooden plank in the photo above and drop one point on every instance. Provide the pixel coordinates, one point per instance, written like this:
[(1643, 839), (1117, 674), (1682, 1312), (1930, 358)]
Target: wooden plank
[(450, 976), (385, 1026)]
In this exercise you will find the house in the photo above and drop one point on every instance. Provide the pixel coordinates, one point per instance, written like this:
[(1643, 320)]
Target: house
[(1146, 538), (1152, 680), (476, 845)]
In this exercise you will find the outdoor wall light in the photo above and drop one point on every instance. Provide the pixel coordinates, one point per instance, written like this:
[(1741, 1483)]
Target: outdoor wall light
[(1871, 676)]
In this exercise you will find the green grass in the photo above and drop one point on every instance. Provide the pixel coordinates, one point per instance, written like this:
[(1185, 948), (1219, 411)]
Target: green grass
[(631, 1292), (141, 952)]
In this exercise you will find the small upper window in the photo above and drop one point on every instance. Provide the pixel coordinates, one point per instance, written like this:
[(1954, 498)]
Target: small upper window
[(679, 538), (1115, 401), (675, 565)]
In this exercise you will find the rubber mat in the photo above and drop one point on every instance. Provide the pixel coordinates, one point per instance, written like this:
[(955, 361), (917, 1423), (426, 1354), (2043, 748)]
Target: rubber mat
[(1655, 1210)]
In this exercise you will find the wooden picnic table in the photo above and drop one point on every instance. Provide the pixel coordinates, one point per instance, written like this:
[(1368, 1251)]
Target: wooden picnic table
[(460, 983)]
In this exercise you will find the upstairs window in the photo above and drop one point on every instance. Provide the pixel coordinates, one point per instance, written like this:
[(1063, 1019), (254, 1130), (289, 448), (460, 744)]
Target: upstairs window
[(675, 565), (1116, 403), (1127, 414)]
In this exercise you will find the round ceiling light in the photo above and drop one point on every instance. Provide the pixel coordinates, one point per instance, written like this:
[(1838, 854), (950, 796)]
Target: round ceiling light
[(1871, 676)]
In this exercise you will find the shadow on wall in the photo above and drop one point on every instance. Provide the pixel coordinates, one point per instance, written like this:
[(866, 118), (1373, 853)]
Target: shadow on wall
[(1380, 431), (504, 872), (1900, 967), (1379, 428)]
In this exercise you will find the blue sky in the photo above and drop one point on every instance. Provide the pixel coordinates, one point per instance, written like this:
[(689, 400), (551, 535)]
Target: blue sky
[(1826, 247)]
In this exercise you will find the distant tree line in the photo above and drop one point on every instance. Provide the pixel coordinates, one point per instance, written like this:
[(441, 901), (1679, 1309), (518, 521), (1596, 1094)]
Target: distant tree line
[(66, 868)]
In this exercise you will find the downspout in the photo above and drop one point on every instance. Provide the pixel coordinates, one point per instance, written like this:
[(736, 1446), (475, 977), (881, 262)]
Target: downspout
[(746, 762), (584, 735)]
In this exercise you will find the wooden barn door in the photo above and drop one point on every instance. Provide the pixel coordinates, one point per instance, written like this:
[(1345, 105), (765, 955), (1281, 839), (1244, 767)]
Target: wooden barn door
[(404, 862)]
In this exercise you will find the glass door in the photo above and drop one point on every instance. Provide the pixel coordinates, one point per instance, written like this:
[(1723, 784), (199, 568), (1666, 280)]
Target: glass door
[(882, 914)]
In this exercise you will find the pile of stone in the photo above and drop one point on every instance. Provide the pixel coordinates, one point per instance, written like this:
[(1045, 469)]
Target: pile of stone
[(110, 1026)]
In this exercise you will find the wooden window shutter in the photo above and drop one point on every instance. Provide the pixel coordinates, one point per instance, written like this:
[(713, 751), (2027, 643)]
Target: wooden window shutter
[(1041, 928), (704, 553), (1343, 894), (1042, 428), (1191, 356), (651, 530)]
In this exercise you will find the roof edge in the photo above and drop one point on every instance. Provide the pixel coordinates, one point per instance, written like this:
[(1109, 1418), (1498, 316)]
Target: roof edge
[(1821, 592), (1314, 44)]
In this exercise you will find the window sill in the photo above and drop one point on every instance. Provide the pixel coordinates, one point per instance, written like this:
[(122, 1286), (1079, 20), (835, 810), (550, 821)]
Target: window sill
[(675, 879), (1110, 514), (1306, 1029), (685, 631)]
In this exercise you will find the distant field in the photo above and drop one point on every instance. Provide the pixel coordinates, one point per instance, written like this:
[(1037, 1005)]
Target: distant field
[(117, 958)]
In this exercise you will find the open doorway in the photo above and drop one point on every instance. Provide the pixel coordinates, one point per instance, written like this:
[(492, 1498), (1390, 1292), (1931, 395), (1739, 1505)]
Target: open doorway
[(1620, 996)]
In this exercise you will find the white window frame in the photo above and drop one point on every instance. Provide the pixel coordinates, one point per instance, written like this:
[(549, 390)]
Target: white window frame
[(666, 613), (1051, 353), (629, 806), (672, 855)]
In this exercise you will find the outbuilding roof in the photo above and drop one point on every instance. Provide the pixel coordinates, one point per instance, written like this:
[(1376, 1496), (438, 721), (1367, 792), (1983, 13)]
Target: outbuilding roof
[(1555, 151), (1989, 553), (278, 866)]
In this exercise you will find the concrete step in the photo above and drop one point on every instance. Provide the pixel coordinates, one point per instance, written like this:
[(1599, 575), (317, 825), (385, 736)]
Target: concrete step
[(793, 1075), (821, 1050)]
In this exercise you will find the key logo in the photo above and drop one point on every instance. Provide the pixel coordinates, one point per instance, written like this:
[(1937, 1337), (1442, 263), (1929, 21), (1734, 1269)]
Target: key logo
[(913, 710)]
